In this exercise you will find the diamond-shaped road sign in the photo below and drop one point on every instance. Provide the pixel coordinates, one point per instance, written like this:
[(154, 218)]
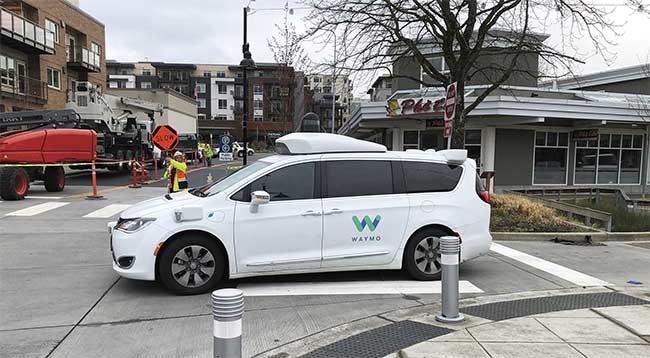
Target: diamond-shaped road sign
[(165, 137)]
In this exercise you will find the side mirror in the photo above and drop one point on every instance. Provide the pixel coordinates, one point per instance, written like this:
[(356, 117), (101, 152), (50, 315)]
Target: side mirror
[(258, 198)]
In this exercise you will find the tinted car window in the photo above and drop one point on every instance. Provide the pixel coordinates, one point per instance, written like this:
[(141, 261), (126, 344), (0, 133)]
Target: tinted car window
[(358, 177), (422, 177), (290, 183)]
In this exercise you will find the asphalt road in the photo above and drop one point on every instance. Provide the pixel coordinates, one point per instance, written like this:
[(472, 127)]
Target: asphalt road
[(60, 297)]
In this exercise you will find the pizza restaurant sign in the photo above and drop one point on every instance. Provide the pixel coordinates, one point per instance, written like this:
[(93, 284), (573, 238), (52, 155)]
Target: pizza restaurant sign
[(415, 106)]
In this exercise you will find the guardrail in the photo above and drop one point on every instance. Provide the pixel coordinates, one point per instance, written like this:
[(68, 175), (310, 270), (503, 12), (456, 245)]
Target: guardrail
[(593, 193), (588, 215), (84, 57), (26, 30), (26, 86)]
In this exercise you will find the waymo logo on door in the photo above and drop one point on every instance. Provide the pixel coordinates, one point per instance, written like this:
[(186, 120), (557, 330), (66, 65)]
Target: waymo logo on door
[(366, 222)]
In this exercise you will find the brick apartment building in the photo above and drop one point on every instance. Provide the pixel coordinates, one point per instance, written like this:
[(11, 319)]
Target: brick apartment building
[(46, 47), (275, 95)]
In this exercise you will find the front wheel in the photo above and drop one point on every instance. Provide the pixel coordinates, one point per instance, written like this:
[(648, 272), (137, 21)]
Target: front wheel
[(14, 183), (422, 255), (191, 265)]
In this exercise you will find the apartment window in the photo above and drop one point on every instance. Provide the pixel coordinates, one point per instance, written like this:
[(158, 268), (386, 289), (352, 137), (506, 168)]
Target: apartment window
[(54, 27), (146, 72), (284, 91), (8, 71), (258, 118), (221, 74), (94, 47), (316, 79), (260, 74), (551, 152), (201, 117), (223, 104), (221, 118), (258, 90), (53, 78), (207, 74), (612, 159), (200, 87), (145, 85), (222, 89), (257, 104), (439, 64), (201, 102), (327, 89), (473, 144)]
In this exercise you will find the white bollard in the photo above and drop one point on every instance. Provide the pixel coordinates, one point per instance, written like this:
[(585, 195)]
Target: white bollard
[(227, 309), (449, 250)]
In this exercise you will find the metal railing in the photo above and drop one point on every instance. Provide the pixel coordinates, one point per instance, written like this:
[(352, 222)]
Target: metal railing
[(25, 86), (26, 30), (83, 56)]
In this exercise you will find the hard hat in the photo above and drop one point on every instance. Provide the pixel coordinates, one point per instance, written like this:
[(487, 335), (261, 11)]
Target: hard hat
[(178, 153)]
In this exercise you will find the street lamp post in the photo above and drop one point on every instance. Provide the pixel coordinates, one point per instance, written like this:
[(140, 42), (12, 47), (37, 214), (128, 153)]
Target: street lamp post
[(245, 64), (334, 84)]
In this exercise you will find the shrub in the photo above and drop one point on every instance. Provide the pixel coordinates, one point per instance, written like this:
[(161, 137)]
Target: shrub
[(515, 213), (623, 218)]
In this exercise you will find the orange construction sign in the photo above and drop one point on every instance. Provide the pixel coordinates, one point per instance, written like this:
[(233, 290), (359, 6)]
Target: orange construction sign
[(165, 137)]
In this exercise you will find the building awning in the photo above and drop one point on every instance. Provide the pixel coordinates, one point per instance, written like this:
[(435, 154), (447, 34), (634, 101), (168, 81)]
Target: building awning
[(510, 105)]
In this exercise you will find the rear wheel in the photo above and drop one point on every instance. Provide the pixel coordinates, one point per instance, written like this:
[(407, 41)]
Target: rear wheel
[(54, 179), (422, 255), (191, 265), (14, 183)]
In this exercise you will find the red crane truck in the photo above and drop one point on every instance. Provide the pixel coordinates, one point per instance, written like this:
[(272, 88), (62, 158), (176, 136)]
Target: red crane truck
[(30, 140)]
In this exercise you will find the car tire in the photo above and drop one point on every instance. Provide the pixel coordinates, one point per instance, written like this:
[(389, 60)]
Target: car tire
[(191, 264), (14, 183), (425, 265), (54, 179), (240, 154)]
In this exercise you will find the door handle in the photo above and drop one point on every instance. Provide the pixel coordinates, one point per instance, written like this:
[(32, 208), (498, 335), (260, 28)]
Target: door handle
[(311, 213), (334, 211)]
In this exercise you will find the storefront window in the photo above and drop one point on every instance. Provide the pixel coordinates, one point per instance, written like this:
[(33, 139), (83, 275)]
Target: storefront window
[(411, 140), (551, 150), (473, 145), (613, 159)]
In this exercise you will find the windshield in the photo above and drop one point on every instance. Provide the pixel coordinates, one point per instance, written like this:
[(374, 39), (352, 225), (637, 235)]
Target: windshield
[(231, 179)]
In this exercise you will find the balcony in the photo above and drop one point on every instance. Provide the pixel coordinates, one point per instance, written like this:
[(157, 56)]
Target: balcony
[(22, 34), (82, 59), (25, 88)]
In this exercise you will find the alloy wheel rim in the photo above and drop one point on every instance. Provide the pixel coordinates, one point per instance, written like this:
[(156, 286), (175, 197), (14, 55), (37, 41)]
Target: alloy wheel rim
[(21, 184), (193, 266), (427, 255)]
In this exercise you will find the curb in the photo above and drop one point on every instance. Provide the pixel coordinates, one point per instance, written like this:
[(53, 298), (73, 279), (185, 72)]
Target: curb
[(571, 236)]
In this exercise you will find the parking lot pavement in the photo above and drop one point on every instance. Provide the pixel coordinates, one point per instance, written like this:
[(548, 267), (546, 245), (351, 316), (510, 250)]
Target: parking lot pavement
[(60, 297)]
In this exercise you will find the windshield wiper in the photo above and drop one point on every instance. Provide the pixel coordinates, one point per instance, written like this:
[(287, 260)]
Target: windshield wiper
[(198, 192)]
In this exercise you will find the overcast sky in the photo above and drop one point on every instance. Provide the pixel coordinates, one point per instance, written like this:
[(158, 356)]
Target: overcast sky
[(210, 31)]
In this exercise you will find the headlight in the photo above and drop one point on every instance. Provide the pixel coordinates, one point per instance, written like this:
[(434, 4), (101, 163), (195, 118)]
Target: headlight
[(133, 225)]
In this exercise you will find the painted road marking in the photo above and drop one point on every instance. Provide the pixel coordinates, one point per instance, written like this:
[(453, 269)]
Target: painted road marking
[(349, 288), (38, 209), (43, 197), (562, 272), (108, 211)]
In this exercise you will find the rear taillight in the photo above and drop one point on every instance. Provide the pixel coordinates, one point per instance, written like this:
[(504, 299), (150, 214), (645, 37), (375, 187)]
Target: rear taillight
[(485, 196)]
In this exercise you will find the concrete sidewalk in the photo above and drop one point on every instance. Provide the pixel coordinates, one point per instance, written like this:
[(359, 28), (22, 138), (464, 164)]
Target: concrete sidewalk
[(596, 332), (605, 330)]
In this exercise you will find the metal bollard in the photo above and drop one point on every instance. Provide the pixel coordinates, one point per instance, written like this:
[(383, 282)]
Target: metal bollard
[(227, 309), (449, 249)]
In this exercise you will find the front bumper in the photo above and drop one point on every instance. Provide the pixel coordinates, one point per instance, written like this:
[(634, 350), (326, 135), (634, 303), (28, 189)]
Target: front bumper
[(139, 245)]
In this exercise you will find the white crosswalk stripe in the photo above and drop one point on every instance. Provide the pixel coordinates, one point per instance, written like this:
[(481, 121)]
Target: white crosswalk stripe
[(107, 211), (38, 209), (562, 272), (350, 288), (43, 197)]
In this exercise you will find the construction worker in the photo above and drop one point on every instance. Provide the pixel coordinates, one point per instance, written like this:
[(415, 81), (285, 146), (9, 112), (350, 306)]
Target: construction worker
[(176, 172), (208, 154)]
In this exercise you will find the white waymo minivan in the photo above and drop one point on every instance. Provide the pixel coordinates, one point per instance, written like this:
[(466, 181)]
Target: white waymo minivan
[(324, 203)]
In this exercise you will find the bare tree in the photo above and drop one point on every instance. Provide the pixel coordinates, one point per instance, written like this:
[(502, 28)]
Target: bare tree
[(375, 34)]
